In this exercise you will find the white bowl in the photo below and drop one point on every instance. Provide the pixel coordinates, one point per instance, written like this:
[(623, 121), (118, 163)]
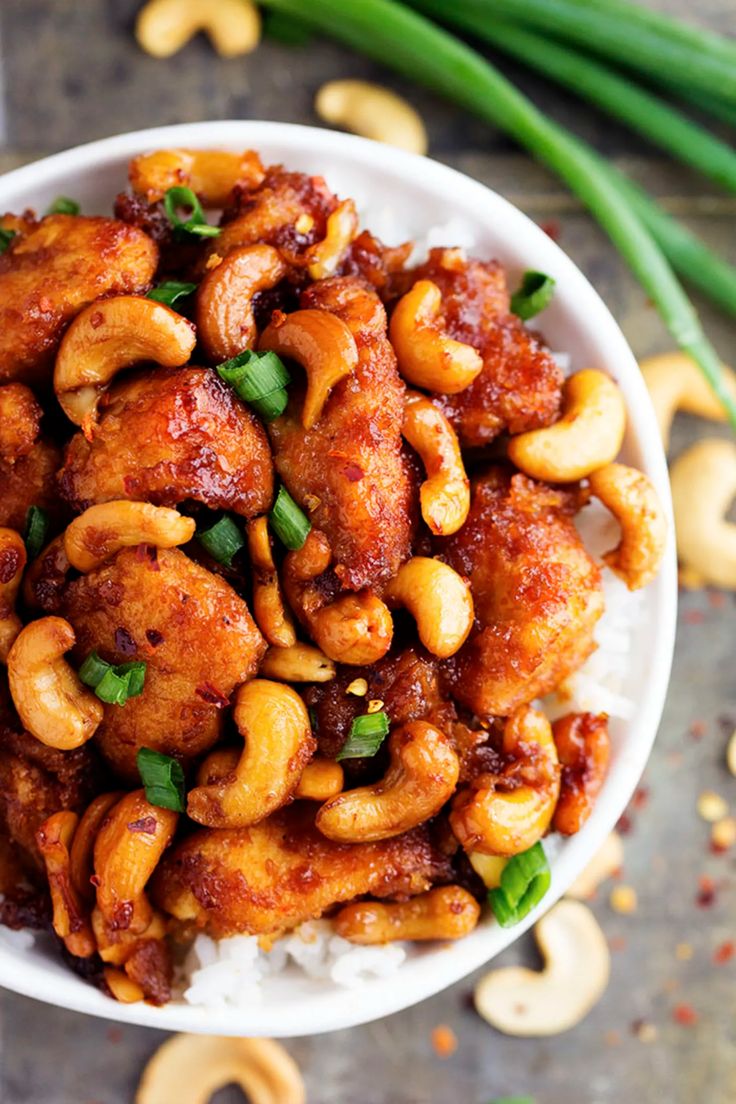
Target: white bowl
[(420, 193)]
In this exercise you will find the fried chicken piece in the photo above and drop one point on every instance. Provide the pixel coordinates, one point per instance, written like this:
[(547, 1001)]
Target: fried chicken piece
[(537, 592), (28, 463), (273, 875), (193, 631), (170, 435), (49, 274), (520, 385), (348, 472)]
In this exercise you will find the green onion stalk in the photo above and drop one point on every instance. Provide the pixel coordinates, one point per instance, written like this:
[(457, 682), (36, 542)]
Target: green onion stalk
[(402, 39)]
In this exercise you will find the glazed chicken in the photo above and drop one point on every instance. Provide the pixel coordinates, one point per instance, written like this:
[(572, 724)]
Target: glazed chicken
[(28, 462)]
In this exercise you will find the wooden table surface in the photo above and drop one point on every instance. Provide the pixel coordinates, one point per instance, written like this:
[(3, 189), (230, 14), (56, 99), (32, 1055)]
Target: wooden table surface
[(72, 72)]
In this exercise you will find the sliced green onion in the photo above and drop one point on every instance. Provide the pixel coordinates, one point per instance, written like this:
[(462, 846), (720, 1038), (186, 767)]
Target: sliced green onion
[(163, 779), (135, 674), (181, 197), (524, 881), (260, 379), (63, 205), (222, 540), (93, 670), (290, 524), (112, 688), (113, 684), (171, 291), (6, 237), (367, 733), (36, 528), (534, 294)]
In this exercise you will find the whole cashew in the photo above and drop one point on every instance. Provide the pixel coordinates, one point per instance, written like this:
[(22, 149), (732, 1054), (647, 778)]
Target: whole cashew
[(438, 599), (109, 335), (298, 663), (12, 564), (703, 486), (103, 530), (211, 174), (499, 814), (427, 357), (324, 257), (225, 321), (584, 749), (445, 494), (269, 611), (587, 436), (676, 383), (320, 780), (422, 775), (372, 111), (163, 27), (190, 1069), (519, 1001), (446, 912), (633, 501), (273, 721), (51, 702), (324, 346), (70, 915), (81, 852)]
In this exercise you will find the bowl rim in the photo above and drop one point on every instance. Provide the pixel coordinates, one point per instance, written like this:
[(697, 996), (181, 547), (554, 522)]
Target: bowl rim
[(339, 1009)]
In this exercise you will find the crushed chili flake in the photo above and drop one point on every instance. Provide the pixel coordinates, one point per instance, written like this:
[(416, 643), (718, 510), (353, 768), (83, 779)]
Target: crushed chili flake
[(716, 599), (724, 952), (353, 472), (208, 693), (625, 825), (693, 617), (685, 1014), (706, 895), (154, 637), (552, 229), (125, 642), (444, 1041), (146, 825), (697, 730), (617, 943), (640, 798), (114, 1034)]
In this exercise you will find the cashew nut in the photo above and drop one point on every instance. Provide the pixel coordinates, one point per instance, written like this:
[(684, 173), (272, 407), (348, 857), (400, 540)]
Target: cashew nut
[(271, 615), (427, 357), (583, 748), (445, 494), (446, 912), (676, 383), (633, 501), (587, 436), (373, 112), (51, 702), (505, 813), (320, 780), (273, 721), (190, 1069), (70, 917), (103, 530), (324, 257), (109, 335), (81, 852), (225, 321), (519, 1001), (12, 564), (489, 868), (606, 861), (324, 346), (163, 27), (438, 599), (298, 663), (122, 988), (703, 483), (211, 174), (422, 775)]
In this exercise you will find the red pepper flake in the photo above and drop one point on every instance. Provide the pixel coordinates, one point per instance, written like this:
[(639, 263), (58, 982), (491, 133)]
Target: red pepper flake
[(353, 472), (154, 637), (114, 1034), (685, 1014), (95, 880), (96, 320), (208, 693), (697, 730), (617, 943), (124, 642), (707, 892), (552, 229), (640, 798), (716, 599), (444, 1041), (625, 825), (693, 617), (146, 824), (724, 952)]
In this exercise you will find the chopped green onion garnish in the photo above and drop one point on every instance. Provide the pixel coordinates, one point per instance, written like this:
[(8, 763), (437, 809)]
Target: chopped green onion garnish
[(63, 205), (163, 779), (524, 881), (367, 733), (171, 291), (260, 379), (37, 525), (222, 540), (288, 522), (113, 684), (6, 237), (185, 198), (534, 294)]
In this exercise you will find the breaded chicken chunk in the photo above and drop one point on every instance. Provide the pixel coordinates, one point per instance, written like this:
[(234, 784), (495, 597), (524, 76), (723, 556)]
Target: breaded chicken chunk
[(537, 592), (170, 435), (49, 274), (520, 385), (193, 631), (28, 463), (348, 472), (275, 874)]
